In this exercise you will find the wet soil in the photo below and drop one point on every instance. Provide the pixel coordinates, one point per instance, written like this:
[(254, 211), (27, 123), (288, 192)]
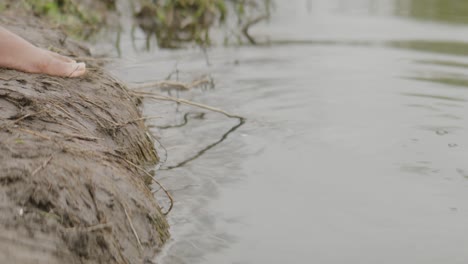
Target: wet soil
[(71, 151)]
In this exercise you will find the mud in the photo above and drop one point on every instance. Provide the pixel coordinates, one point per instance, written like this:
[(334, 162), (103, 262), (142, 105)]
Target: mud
[(70, 189)]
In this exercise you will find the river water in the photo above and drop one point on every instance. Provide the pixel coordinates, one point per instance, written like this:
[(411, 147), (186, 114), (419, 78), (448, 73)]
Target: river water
[(355, 146)]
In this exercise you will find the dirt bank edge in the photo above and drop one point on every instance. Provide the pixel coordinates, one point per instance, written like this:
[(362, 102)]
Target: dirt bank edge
[(69, 188)]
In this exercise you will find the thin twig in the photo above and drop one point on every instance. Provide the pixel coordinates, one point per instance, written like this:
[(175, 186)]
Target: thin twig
[(161, 97), (43, 165), (97, 227), (171, 84), (22, 118), (133, 229), (26, 116), (63, 110), (52, 82), (161, 84), (138, 119), (106, 226), (87, 138), (34, 133), (70, 126)]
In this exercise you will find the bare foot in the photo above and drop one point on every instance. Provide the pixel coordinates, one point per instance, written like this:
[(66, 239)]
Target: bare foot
[(57, 65), (18, 54)]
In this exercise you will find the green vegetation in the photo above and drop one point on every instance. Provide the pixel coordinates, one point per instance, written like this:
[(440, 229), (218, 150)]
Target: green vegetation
[(175, 22), (75, 18), (181, 20), (78, 19)]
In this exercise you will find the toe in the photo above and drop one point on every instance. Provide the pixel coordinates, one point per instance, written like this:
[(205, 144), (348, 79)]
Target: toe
[(80, 69), (57, 67), (60, 57)]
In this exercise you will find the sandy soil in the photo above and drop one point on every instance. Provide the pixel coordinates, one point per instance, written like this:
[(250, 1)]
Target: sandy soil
[(70, 189)]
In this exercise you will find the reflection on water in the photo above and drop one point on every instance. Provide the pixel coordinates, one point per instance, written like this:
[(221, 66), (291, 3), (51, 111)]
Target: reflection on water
[(208, 147), (449, 79), (439, 97), (442, 47), (448, 11), (354, 149)]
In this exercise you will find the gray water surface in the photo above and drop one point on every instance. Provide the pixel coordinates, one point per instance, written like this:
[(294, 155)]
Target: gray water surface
[(355, 146)]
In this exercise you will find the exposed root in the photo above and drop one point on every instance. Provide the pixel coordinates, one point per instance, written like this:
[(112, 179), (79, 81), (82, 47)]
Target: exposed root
[(161, 97), (157, 96), (157, 182)]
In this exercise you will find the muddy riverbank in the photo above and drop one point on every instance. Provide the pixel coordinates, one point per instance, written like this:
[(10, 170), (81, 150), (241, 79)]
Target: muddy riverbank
[(72, 153)]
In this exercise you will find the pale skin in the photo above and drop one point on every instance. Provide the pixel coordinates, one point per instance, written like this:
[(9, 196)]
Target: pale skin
[(18, 54)]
